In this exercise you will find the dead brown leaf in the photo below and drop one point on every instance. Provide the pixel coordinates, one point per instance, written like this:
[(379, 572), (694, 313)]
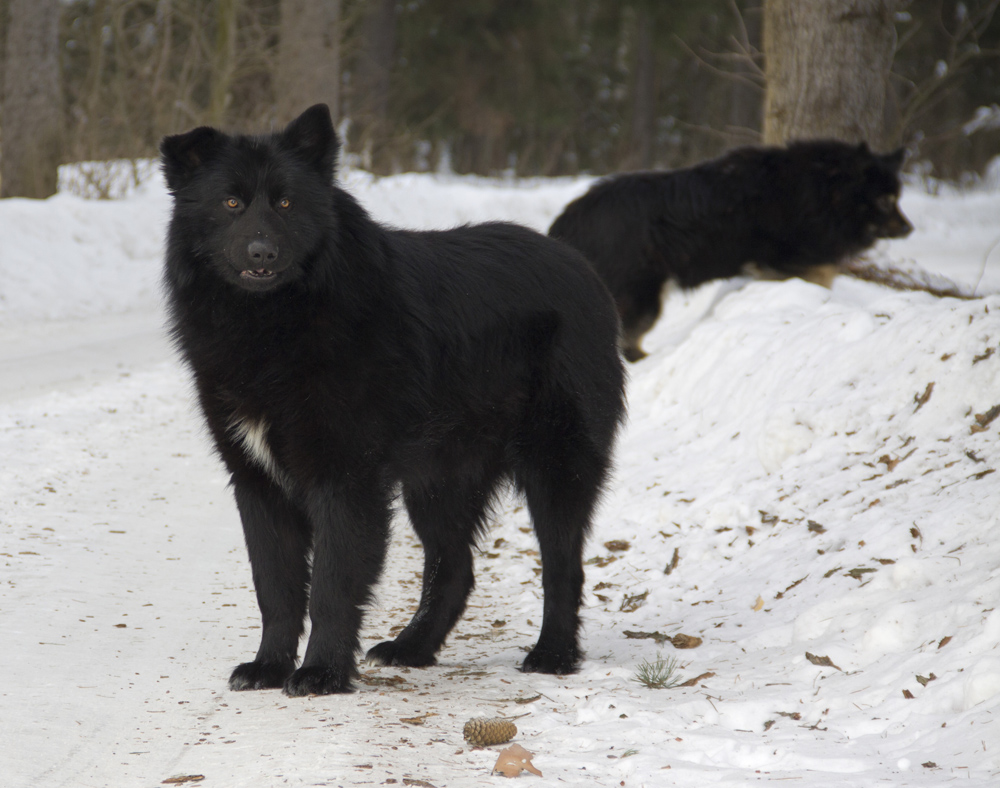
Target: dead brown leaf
[(633, 602), (983, 419), (685, 641), (659, 637), (921, 400), (373, 680), (184, 778), (944, 641), (513, 760), (693, 682), (759, 604), (417, 720), (823, 662), (617, 545), (781, 594), (890, 463), (673, 562)]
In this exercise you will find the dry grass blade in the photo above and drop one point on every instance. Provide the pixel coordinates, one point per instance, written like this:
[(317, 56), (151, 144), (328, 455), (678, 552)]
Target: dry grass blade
[(897, 279)]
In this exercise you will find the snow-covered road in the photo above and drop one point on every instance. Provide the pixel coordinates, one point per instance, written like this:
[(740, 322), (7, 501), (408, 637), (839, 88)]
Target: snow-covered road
[(820, 463)]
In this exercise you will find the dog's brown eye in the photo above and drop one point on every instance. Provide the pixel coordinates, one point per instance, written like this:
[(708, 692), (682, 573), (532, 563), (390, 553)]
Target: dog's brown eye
[(284, 203), (232, 202), (886, 202)]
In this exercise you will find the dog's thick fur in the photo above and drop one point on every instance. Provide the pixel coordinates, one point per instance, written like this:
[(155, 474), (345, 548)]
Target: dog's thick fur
[(794, 211), (339, 363)]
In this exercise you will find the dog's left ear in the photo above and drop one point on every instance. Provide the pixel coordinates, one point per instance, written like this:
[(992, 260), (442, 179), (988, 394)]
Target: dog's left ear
[(311, 135), (182, 154)]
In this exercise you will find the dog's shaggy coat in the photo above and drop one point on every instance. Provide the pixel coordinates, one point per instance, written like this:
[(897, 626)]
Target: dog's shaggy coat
[(339, 364)]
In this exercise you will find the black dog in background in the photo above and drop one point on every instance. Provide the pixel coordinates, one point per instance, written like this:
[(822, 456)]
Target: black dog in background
[(339, 363), (794, 211)]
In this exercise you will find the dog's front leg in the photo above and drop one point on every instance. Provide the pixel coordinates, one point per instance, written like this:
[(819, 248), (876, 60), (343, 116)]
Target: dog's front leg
[(350, 538)]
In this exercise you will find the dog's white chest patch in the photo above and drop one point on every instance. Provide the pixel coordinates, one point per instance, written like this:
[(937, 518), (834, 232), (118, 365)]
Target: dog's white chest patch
[(253, 435)]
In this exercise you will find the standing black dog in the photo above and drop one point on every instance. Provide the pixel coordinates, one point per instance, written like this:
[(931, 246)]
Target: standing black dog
[(339, 363), (791, 211)]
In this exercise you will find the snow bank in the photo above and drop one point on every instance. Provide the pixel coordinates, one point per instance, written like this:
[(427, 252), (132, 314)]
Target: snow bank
[(807, 483)]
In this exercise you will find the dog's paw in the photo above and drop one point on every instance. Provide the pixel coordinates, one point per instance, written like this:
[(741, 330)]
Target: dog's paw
[(260, 675), (318, 680), (559, 662), (392, 653)]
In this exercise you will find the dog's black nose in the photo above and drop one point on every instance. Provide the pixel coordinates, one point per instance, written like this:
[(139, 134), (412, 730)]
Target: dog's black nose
[(262, 252)]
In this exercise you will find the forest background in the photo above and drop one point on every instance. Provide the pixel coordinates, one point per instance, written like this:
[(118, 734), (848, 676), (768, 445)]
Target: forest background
[(494, 87)]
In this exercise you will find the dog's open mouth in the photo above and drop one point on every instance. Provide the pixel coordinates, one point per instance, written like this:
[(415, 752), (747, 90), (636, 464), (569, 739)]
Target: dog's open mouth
[(258, 273)]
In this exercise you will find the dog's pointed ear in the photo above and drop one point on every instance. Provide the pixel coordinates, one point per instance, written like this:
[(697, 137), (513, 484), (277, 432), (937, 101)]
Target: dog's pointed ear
[(894, 160), (312, 136), (183, 154)]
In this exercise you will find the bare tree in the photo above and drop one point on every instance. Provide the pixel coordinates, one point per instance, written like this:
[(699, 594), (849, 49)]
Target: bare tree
[(827, 65), (308, 70), (32, 101)]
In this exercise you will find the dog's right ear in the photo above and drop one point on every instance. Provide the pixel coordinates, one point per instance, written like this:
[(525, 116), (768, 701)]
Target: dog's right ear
[(183, 154)]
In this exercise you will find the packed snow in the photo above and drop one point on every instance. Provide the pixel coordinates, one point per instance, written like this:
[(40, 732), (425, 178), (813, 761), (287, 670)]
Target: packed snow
[(806, 484)]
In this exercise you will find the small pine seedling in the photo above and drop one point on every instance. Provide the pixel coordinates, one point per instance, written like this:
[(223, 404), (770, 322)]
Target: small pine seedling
[(661, 674)]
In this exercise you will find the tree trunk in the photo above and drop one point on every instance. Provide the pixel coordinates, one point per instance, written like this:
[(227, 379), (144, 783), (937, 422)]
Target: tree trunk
[(308, 57), (643, 126), (371, 90), (32, 101), (827, 64), (224, 60)]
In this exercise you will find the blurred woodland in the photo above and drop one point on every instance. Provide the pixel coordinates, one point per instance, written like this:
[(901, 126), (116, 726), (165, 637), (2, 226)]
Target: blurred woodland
[(524, 87)]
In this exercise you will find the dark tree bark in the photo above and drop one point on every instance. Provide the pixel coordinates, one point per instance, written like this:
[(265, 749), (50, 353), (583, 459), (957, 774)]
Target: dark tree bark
[(371, 90), (308, 57), (827, 64), (643, 126), (223, 59), (32, 141)]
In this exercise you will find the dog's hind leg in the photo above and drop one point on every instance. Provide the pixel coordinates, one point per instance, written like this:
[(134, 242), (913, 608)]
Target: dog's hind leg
[(447, 518), (561, 498)]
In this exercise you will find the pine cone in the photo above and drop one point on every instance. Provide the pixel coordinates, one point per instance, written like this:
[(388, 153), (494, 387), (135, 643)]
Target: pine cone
[(483, 732)]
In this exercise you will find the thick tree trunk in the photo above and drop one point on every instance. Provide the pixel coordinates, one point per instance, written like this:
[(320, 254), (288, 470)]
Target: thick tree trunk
[(32, 134), (308, 57), (827, 64)]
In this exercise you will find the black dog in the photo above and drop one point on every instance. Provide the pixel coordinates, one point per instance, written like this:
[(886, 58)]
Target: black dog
[(339, 363), (792, 211)]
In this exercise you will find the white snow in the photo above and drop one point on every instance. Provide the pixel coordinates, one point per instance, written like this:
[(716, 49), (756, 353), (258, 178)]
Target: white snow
[(810, 456)]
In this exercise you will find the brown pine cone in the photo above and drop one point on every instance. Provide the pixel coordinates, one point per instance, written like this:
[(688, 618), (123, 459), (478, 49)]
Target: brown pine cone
[(483, 731)]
